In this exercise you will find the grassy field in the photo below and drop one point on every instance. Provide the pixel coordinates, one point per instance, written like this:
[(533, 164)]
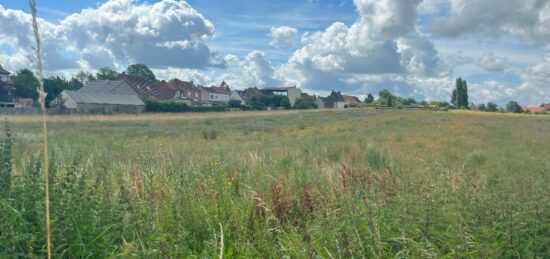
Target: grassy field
[(328, 184)]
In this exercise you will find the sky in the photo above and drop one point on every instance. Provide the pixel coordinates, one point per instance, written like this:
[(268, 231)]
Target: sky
[(414, 48)]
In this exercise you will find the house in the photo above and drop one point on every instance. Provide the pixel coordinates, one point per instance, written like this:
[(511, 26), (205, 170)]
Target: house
[(7, 91), (320, 102), (246, 94), (178, 90), (335, 101), (293, 93), (103, 96), (546, 106), (235, 96), (352, 100), (143, 86), (217, 94), (534, 109)]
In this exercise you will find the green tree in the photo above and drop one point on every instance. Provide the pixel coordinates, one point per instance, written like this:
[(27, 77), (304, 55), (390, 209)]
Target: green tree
[(84, 77), (106, 73), (141, 70), (491, 107), (459, 96), (306, 102), (514, 107), (25, 83), (235, 104), (55, 85), (482, 107), (369, 99)]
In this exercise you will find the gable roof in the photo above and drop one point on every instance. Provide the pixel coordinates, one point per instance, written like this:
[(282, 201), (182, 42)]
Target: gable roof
[(533, 109), (217, 90), (101, 86), (546, 106), (351, 99), (104, 98), (3, 71), (142, 85)]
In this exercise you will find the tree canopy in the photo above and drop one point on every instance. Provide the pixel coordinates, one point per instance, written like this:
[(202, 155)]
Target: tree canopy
[(514, 107), (106, 73), (141, 70), (25, 83), (460, 94)]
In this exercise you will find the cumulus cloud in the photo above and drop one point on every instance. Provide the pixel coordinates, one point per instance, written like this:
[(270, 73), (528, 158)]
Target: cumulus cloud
[(258, 70), (383, 43), (529, 20), (492, 63), (458, 59), (536, 82), (168, 33), (283, 36)]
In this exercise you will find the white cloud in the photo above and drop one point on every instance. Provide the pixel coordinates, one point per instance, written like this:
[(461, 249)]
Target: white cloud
[(258, 70), (536, 82), (528, 20), (492, 63), (168, 33), (283, 36), (383, 43)]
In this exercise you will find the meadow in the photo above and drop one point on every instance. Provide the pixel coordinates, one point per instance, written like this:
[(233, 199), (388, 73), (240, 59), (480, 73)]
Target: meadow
[(326, 184)]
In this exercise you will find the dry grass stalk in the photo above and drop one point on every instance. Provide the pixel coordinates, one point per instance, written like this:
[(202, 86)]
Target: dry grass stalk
[(42, 101), (281, 203)]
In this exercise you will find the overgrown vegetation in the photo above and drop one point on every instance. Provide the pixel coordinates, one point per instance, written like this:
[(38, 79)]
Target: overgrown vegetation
[(343, 185), (153, 105)]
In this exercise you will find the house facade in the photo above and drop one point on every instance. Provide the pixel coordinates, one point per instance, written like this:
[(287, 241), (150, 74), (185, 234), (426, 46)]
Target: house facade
[(335, 101), (7, 91), (103, 96), (217, 94), (178, 90)]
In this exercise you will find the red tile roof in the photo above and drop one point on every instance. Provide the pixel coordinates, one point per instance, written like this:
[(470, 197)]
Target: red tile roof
[(534, 109)]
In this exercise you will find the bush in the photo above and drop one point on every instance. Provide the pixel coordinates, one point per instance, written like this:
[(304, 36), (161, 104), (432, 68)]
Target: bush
[(6, 145), (155, 106), (210, 134)]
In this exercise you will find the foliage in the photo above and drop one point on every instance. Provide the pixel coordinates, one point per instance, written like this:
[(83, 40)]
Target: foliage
[(262, 101), (26, 84), (460, 94), (482, 107), (235, 104), (6, 147), (155, 106), (106, 73), (491, 107), (369, 99), (514, 107), (84, 77), (141, 70), (306, 102), (55, 85)]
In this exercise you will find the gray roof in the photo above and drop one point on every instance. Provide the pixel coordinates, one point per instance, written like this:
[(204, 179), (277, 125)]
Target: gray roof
[(105, 98), (104, 87), (3, 71)]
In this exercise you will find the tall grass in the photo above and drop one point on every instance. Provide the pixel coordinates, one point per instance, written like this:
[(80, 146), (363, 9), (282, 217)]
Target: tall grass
[(42, 101), (342, 187)]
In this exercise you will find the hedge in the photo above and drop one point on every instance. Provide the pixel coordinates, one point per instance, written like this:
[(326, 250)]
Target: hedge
[(156, 106)]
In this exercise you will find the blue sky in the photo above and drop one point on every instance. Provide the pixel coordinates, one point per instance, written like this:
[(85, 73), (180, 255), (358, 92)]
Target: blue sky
[(415, 48)]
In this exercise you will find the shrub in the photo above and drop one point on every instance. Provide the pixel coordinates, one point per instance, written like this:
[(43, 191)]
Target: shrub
[(210, 134), (6, 145), (155, 106)]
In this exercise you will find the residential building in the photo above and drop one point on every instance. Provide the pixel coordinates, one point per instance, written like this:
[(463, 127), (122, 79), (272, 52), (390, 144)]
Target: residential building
[(352, 100), (178, 90), (103, 96), (217, 94), (7, 91), (293, 93), (533, 109), (335, 101)]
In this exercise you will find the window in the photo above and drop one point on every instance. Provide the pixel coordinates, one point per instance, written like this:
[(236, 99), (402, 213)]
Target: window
[(178, 94)]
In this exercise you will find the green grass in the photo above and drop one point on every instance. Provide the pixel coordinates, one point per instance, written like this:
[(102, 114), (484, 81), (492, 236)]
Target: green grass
[(357, 183)]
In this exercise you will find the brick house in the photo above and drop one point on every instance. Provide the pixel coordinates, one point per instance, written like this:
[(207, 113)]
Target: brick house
[(176, 89)]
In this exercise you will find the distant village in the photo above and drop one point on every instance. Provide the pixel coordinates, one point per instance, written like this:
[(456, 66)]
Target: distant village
[(131, 94), (138, 90)]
